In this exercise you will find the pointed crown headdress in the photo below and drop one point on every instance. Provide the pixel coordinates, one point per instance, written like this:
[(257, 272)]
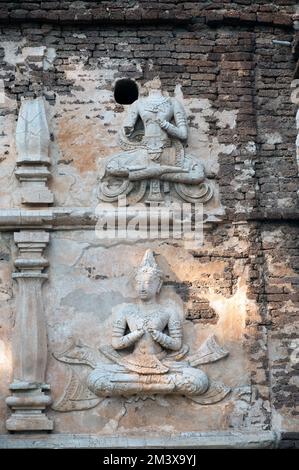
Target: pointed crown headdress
[(149, 266)]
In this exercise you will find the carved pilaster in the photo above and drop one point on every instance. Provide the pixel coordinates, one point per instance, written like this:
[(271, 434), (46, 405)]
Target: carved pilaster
[(32, 140), (29, 400)]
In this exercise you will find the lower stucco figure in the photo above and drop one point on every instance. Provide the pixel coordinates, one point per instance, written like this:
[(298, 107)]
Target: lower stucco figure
[(147, 351), (155, 330)]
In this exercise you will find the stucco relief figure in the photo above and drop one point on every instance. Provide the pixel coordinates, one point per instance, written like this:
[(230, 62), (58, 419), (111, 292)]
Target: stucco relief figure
[(147, 354), (153, 159)]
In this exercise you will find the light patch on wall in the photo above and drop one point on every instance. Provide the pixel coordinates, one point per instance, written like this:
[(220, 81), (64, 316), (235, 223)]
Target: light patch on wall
[(5, 358), (103, 74), (227, 118), (8, 182), (232, 312), (84, 137), (187, 268), (284, 202), (200, 143), (251, 147), (78, 4), (11, 51), (49, 58), (245, 173), (79, 35), (239, 208), (81, 138), (272, 238), (85, 126), (273, 138), (278, 269), (295, 92)]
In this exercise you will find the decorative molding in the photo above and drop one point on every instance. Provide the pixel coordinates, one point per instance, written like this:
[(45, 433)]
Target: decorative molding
[(188, 440), (71, 218), (29, 398)]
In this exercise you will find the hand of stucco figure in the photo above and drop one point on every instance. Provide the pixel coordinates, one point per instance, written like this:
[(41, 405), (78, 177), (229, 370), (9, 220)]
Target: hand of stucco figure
[(165, 340), (154, 333), (160, 337), (137, 333), (180, 130), (121, 342), (163, 124)]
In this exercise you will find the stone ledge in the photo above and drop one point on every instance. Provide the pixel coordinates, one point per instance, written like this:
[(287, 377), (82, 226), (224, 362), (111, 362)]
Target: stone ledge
[(60, 218), (80, 218), (208, 440)]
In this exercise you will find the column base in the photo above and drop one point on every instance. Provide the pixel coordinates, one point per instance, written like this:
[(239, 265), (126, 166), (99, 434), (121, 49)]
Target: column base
[(29, 422), (28, 404)]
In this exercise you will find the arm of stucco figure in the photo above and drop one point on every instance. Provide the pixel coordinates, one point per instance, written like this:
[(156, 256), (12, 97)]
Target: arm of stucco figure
[(180, 129), (119, 339), (174, 339), (194, 175), (131, 119)]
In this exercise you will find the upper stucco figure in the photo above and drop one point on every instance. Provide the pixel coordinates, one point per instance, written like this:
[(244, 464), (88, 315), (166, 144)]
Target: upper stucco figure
[(154, 151)]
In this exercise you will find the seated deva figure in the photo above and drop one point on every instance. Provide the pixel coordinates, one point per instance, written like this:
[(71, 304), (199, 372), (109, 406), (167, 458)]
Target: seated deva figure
[(156, 156), (153, 165), (146, 345)]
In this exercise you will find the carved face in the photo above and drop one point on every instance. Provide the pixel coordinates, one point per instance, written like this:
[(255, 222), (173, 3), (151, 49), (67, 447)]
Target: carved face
[(147, 284)]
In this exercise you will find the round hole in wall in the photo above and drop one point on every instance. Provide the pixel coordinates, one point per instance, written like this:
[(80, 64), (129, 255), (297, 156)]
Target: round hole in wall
[(125, 91)]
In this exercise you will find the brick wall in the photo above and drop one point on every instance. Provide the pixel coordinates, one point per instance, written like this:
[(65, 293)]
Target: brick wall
[(277, 13), (223, 52)]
